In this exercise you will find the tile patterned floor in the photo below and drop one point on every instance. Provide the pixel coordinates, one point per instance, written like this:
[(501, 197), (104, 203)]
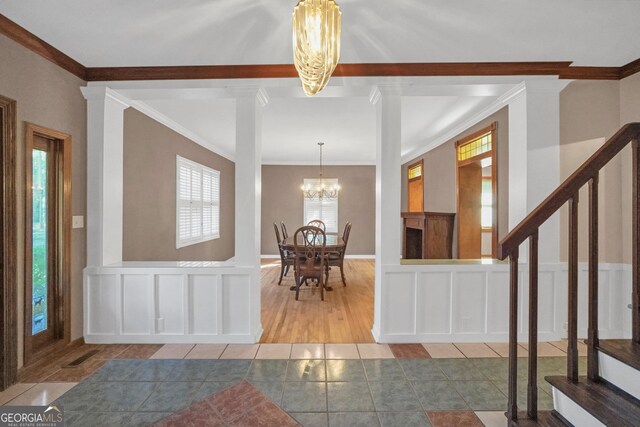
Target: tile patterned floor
[(401, 391), (313, 384)]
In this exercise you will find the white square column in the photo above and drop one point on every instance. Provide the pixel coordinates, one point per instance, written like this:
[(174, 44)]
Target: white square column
[(249, 104), (534, 158), (105, 127), (388, 246)]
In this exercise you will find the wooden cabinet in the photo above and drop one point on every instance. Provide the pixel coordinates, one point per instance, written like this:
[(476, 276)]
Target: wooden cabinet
[(427, 235)]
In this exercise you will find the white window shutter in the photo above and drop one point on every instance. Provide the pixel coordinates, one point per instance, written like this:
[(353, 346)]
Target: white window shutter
[(197, 203)]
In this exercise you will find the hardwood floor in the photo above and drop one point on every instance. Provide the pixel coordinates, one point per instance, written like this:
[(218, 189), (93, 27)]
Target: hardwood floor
[(345, 316)]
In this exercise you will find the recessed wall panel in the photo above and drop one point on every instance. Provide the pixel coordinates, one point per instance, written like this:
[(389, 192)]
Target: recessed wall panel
[(498, 303), (204, 304), (469, 303), (434, 303), (136, 303), (102, 303), (398, 305), (235, 304), (170, 297)]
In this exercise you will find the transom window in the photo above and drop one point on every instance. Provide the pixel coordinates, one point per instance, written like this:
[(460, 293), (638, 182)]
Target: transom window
[(197, 204), (475, 147)]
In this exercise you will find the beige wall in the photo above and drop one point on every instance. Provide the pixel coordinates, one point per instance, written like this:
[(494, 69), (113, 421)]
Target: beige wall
[(282, 201), (150, 150), (48, 96), (629, 112), (589, 114), (440, 172)]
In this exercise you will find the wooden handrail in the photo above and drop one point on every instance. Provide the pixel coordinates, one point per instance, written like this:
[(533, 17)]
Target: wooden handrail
[(567, 192), (567, 189)]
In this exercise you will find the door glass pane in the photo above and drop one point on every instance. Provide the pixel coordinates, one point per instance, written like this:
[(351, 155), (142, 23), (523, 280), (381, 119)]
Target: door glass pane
[(39, 240)]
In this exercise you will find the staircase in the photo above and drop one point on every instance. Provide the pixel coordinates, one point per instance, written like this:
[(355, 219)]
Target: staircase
[(610, 393)]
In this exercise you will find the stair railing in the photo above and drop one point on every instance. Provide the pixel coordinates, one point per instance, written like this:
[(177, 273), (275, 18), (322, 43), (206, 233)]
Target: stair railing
[(567, 192)]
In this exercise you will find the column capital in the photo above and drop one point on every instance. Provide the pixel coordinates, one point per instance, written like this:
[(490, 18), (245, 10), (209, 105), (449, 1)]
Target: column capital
[(101, 93), (260, 93), (380, 90)]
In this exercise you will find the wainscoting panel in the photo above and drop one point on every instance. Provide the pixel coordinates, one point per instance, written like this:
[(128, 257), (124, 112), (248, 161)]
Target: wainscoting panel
[(101, 293), (470, 302), (177, 302)]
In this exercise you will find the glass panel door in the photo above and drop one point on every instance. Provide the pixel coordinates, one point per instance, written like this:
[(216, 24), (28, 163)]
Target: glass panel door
[(40, 256)]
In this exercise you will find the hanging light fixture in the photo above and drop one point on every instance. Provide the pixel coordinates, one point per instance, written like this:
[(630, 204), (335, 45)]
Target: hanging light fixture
[(316, 42), (321, 189)]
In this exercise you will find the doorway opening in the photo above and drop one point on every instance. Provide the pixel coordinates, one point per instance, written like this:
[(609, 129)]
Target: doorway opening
[(477, 194), (415, 194), (47, 241)]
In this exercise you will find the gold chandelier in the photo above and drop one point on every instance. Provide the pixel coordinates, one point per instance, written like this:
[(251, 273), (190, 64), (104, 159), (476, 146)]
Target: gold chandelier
[(316, 42), (321, 189)]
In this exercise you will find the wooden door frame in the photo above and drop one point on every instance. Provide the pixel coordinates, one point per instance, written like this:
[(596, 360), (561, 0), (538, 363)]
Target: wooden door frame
[(494, 179), (9, 242), (62, 322), (421, 178)]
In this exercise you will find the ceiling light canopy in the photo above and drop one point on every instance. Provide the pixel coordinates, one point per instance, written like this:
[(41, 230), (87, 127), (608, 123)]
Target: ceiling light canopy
[(316, 42)]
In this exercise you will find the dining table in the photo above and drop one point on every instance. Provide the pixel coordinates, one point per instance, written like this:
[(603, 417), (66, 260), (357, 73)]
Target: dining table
[(334, 243)]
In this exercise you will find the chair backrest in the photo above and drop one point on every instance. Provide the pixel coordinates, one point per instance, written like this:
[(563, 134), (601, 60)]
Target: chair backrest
[(284, 230), (317, 223), (275, 228), (309, 245), (346, 232)]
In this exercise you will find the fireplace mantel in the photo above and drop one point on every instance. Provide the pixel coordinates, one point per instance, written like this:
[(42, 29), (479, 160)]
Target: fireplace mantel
[(427, 235)]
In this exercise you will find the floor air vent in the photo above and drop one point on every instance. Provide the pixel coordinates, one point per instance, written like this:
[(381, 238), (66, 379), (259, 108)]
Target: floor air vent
[(81, 359)]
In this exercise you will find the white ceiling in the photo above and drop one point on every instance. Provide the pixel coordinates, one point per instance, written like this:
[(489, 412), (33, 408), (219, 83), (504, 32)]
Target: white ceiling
[(205, 32), (167, 32)]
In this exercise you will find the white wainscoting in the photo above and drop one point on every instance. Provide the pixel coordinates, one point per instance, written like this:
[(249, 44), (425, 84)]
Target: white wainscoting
[(470, 302), (178, 302)]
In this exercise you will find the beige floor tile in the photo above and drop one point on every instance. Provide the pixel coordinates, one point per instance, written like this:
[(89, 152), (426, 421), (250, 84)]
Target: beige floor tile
[(240, 351), (582, 349), (172, 351), (476, 350), (307, 351), (206, 351), (545, 349), (341, 351), (41, 394), (444, 350), (375, 351), (274, 351), (502, 348), (562, 345), (14, 391), (492, 418)]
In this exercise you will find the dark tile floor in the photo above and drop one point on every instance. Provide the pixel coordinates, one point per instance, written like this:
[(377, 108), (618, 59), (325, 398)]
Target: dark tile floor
[(389, 392)]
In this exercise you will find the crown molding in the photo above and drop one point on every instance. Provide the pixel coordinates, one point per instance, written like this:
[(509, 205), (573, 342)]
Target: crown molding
[(178, 128), (35, 44), (630, 69), (562, 69)]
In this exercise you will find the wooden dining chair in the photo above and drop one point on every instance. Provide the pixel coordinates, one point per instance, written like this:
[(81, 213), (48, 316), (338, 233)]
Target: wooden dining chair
[(336, 259), (286, 258), (284, 230), (309, 257), (318, 223)]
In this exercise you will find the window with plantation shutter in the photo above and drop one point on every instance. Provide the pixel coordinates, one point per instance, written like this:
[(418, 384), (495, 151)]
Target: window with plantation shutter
[(325, 209), (197, 203)]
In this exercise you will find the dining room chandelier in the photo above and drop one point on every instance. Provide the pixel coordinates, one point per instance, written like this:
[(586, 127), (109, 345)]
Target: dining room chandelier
[(321, 189), (316, 42)]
